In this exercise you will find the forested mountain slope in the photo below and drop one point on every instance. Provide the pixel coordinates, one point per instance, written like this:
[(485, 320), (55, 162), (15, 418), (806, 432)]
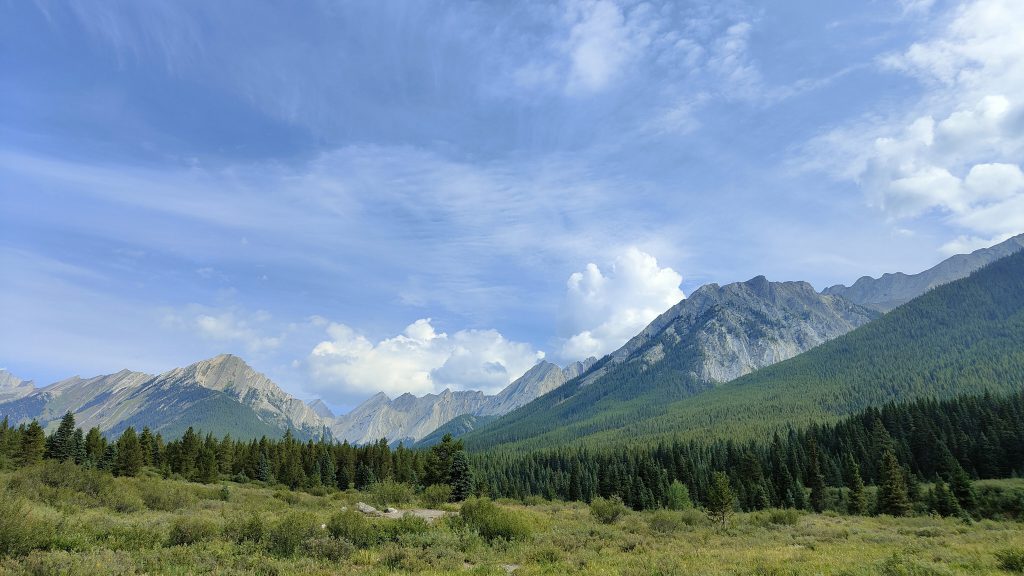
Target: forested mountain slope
[(719, 333), (965, 337)]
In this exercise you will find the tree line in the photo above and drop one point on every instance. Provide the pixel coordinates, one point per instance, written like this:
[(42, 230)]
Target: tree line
[(895, 448)]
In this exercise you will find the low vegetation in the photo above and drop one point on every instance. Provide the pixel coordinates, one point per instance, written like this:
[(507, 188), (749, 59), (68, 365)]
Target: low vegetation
[(52, 523)]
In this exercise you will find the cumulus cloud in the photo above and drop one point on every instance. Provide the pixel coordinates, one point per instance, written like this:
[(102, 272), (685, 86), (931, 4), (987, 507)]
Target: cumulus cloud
[(605, 309), (420, 360), (956, 152)]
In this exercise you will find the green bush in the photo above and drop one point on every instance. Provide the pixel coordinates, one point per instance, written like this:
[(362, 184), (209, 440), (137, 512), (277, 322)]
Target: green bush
[(327, 548), (390, 493), (435, 495), (122, 499), (491, 522), (775, 516), (665, 521), (288, 497), (188, 530), (290, 531), (349, 524), (20, 531), (607, 511), (165, 496), (245, 528), (395, 530), (1011, 559)]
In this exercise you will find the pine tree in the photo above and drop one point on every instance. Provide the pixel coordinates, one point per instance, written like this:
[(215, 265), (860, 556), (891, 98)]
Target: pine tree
[(892, 491), (95, 447), (461, 477), (63, 440), (33, 444), (720, 498), (942, 501), (815, 479), (364, 476), (858, 504), (963, 490), (129, 454), (207, 470)]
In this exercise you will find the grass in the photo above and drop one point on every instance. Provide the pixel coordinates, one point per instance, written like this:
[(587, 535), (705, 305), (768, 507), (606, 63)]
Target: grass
[(51, 525)]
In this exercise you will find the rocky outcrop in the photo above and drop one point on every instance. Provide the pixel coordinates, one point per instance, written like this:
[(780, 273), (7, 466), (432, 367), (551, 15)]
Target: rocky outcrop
[(891, 290), (12, 387), (320, 409), (724, 332)]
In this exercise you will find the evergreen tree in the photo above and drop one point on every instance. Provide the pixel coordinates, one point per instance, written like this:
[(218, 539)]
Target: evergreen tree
[(440, 460), (858, 504), (892, 491), (207, 470), (63, 441), (963, 490), (461, 477), (129, 454), (364, 476), (720, 498), (942, 501), (33, 444), (95, 447), (815, 479)]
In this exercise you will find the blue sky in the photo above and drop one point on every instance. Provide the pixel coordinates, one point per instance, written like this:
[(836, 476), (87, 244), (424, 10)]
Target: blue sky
[(398, 196)]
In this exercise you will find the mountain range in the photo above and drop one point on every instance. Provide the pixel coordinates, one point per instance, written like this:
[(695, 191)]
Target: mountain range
[(719, 335)]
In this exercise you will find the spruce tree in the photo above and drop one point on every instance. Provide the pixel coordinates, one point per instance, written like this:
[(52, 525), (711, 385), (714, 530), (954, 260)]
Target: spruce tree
[(461, 477), (720, 498), (95, 447), (33, 444), (815, 479), (892, 491), (942, 501), (63, 441), (207, 470), (129, 454), (858, 504), (960, 485)]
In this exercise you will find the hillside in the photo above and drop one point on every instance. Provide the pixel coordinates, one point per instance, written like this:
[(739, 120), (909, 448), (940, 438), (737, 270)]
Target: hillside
[(716, 335), (960, 338)]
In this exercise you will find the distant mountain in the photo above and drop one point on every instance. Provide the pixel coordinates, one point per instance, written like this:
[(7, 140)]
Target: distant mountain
[(409, 418), (891, 290), (320, 409), (964, 337), (457, 426), (716, 335), (222, 395), (12, 387)]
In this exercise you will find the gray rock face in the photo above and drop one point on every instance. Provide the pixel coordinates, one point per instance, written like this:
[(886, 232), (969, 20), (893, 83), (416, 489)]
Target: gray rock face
[(409, 418), (12, 387), (721, 333), (891, 290), (320, 409)]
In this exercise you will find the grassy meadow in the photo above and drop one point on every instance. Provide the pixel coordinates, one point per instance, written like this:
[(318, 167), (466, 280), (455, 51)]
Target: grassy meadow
[(61, 519)]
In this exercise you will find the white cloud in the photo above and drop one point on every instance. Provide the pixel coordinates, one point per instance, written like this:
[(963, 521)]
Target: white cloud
[(600, 43), (955, 152), (420, 360), (232, 325), (604, 310)]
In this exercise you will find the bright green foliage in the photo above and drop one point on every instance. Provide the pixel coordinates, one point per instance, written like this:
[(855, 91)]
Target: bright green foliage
[(435, 495), (892, 492), (290, 531), (679, 496), (492, 522), (188, 530), (721, 501), (607, 510)]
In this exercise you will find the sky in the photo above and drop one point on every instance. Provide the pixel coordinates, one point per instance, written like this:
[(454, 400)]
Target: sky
[(408, 196)]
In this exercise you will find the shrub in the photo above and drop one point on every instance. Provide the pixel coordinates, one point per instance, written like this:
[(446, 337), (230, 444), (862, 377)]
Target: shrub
[(665, 521), (390, 493), (491, 522), (679, 496), (1011, 559), (607, 511), (395, 530), (225, 493), (20, 531), (327, 548), (188, 530), (692, 517), (165, 496), (290, 531), (775, 516), (288, 497), (435, 495), (241, 528), (351, 525)]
